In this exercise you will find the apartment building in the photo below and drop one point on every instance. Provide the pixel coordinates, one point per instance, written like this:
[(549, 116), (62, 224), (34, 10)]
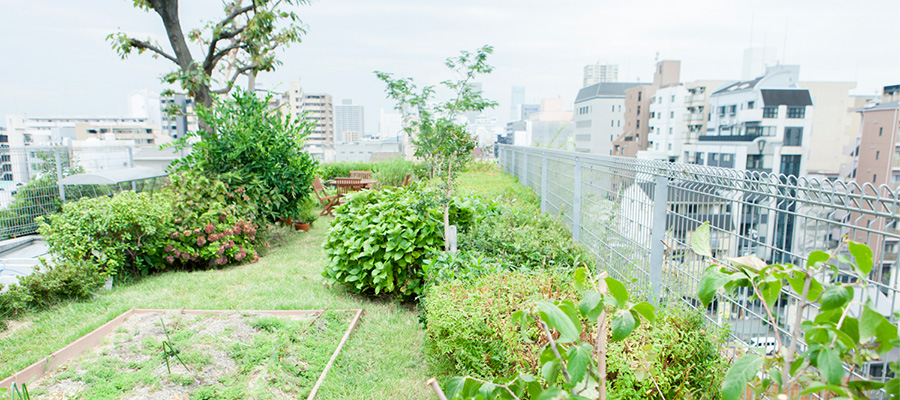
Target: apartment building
[(678, 116), (600, 72), (638, 99), (599, 116)]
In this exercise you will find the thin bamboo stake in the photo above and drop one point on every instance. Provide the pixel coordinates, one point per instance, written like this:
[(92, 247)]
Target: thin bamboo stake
[(436, 388), (315, 389)]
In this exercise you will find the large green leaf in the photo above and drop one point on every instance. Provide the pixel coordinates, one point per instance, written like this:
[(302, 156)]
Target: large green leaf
[(863, 256), (557, 319), (646, 310), (617, 290), (771, 291), (830, 366), (591, 304), (739, 374), (579, 361), (623, 324), (700, 240), (835, 297), (712, 281), (817, 257), (869, 322)]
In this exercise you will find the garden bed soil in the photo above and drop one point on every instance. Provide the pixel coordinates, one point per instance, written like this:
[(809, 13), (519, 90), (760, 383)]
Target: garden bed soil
[(230, 354)]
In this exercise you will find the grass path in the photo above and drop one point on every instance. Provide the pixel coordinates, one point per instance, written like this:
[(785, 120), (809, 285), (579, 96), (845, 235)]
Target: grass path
[(382, 360)]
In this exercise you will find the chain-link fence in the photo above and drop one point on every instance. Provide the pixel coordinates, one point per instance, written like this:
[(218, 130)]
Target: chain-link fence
[(30, 175), (637, 218)]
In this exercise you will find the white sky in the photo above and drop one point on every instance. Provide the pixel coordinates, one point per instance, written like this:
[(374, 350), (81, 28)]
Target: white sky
[(54, 59)]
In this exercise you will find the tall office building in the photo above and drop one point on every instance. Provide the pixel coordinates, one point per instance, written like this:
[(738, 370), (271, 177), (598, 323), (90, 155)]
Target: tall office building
[(516, 101), (600, 73), (317, 108), (348, 118), (390, 125)]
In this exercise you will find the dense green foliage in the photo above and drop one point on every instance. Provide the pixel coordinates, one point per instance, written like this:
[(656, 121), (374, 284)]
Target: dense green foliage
[(679, 353), (213, 224), (124, 234), (387, 173), (469, 323), (378, 241), (259, 150), (50, 285)]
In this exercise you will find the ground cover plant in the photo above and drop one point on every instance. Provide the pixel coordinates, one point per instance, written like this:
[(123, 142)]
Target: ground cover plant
[(212, 356)]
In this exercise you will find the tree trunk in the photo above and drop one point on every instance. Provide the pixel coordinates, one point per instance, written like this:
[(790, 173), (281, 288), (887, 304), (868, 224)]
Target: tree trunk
[(601, 356), (168, 11)]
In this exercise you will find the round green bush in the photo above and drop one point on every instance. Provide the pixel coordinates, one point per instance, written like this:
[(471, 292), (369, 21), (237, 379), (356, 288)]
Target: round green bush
[(378, 241)]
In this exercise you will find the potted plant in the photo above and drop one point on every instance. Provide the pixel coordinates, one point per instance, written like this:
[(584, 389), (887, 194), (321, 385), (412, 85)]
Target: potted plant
[(306, 216)]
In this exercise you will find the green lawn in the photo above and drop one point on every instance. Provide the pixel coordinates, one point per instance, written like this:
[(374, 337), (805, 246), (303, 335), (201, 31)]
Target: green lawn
[(382, 360)]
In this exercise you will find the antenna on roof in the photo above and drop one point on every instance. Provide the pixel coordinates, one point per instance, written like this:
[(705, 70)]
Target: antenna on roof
[(656, 60)]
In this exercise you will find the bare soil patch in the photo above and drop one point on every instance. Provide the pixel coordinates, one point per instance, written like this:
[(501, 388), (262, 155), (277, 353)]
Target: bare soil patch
[(232, 355)]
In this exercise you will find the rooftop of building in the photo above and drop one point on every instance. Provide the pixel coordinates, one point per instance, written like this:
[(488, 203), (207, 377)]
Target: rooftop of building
[(788, 97), (890, 105), (605, 90)]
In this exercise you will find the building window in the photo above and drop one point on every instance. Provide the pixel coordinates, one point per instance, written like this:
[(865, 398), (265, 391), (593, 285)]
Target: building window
[(790, 165), (793, 136), (754, 161), (639, 110), (670, 131), (722, 111), (638, 124), (750, 105), (612, 124), (671, 114), (875, 178), (877, 153), (639, 99), (673, 98), (770, 112), (613, 109), (880, 131), (732, 109), (796, 112), (670, 146)]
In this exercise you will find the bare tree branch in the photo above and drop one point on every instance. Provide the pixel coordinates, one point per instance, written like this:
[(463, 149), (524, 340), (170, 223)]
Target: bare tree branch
[(239, 72), (149, 46)]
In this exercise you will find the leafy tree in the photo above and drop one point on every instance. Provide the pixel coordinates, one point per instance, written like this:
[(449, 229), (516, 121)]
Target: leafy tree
[(438, 136), (244, 41), (259, 150)]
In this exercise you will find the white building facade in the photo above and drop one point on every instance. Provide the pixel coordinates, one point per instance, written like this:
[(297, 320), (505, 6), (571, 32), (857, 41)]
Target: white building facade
[(348, 117), (599, 115)]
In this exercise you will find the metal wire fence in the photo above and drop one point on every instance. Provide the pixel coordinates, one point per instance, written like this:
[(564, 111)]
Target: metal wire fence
[(29, 180), (637, 218)]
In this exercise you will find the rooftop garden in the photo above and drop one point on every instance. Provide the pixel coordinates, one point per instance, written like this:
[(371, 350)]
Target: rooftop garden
[(460, 275)]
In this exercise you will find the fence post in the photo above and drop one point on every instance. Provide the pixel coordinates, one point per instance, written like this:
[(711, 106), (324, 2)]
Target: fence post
[(131, 165), (544, 172), (576, 202), (658, 234), (512, 164), (59, 174), (525, 170)]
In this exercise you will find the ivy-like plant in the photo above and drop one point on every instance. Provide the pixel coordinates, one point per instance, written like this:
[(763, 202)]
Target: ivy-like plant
[(439, 139), (571, 368), (846, 332)]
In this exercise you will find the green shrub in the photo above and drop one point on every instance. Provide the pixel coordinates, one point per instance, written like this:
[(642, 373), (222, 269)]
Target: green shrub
[(124, 234), (679, 353), (51, 285), (378, 241), (212, 222), (252, 147), (388, 173), (469, 327), (520, 237)]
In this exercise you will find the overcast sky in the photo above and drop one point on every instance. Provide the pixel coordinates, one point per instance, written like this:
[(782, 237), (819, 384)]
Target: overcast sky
[(54, 60)]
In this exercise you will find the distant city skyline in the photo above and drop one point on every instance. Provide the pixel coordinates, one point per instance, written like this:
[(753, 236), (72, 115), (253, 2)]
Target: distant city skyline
[(57, 62)]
